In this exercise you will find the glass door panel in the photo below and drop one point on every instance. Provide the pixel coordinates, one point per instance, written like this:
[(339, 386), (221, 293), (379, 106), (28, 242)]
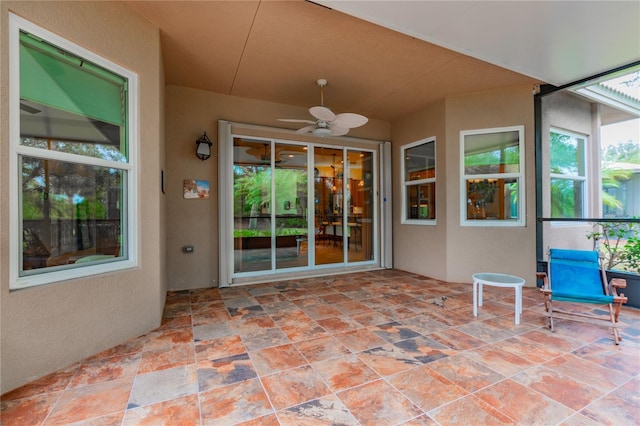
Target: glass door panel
[(360, 203), (328, 198), (252, 191), (328, 202), (290, 205)]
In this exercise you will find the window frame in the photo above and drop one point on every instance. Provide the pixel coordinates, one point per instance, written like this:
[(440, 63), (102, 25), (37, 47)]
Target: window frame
[(578, 178), (16, 150), (519, 176), (405, 220)]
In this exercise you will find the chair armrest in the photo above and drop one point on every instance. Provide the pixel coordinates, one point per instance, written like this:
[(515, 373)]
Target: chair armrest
[(614, 285), (545, 282), (618, 283)]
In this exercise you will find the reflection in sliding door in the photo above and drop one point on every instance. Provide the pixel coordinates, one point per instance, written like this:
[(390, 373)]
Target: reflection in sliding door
[(344, 206), (290, 204), (251, 205), (328, 202), (360, 203)]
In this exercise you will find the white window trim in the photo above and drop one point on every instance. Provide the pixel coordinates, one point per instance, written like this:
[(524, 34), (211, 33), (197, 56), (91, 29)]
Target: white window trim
[(521, 221), (584, 179), (404, 220), (131, 167)]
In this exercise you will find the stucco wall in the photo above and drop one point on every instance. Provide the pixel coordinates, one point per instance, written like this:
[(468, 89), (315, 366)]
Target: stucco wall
[(449, 251), (509, 250), (189, 112), (49, 327), (421, 248)]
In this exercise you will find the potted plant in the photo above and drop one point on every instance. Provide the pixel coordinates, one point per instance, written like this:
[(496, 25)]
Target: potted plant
[(619, 244), (255, 238)]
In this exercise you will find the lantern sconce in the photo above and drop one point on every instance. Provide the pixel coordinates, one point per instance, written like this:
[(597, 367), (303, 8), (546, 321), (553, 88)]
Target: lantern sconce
[(203, 147)]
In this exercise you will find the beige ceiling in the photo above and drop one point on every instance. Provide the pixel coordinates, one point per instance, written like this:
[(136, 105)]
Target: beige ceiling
[(276, 50)]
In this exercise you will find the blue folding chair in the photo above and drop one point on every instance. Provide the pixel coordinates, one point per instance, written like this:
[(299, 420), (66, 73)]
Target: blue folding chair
[(576, 276)]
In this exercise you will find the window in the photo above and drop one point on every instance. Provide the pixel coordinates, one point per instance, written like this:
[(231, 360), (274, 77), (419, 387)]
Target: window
[(492, 177), (568, 174), (72, 159), (419, 182)]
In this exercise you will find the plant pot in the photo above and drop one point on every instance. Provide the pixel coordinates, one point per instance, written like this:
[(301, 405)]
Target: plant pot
[(633, 286), (249, 243)]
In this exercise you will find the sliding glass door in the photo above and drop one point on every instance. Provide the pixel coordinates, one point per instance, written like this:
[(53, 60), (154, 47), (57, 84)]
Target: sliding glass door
[(298, 206)]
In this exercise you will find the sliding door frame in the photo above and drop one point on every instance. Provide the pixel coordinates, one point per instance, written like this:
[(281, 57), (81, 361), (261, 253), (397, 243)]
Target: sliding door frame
[(227, 131)]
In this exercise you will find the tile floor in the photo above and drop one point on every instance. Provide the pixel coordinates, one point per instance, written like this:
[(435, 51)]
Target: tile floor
[(372, 348)]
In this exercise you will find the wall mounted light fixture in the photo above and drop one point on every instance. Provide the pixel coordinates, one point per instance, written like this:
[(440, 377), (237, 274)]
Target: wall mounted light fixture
[(203, 144)]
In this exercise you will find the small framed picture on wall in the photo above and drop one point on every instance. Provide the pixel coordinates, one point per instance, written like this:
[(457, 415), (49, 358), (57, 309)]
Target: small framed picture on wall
[(196, 189)]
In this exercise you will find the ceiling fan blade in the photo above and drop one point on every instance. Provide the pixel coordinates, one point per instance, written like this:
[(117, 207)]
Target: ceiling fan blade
[(295, 120), (322, 113), (350, 120), (306, 129), (338, 130)]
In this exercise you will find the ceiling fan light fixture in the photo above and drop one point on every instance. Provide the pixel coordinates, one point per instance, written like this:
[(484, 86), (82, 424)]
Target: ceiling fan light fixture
[(321, 131)]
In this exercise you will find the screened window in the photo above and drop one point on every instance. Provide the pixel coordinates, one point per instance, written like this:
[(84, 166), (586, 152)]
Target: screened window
[(492, 177), (419, 186), (71, 149), (568, 174)]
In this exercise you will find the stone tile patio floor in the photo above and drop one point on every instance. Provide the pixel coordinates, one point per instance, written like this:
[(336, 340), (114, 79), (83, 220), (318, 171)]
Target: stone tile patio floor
[(370, 348)]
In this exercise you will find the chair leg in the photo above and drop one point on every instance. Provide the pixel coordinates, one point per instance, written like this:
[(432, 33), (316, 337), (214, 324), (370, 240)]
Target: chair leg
[(613, 316), (616, 312), (550, 311)]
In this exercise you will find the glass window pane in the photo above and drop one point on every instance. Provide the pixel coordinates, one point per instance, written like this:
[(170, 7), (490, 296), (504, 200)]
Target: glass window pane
[(420, 162), (491, 153), (567, 156), (70, 105), (421, 201), (71, 213), (494, 199), (567, 198), (59, 79), (104, 149), (620, 146)]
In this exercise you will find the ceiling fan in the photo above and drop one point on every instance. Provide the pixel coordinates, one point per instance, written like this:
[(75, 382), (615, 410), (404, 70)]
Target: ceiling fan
[(327, 123)]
